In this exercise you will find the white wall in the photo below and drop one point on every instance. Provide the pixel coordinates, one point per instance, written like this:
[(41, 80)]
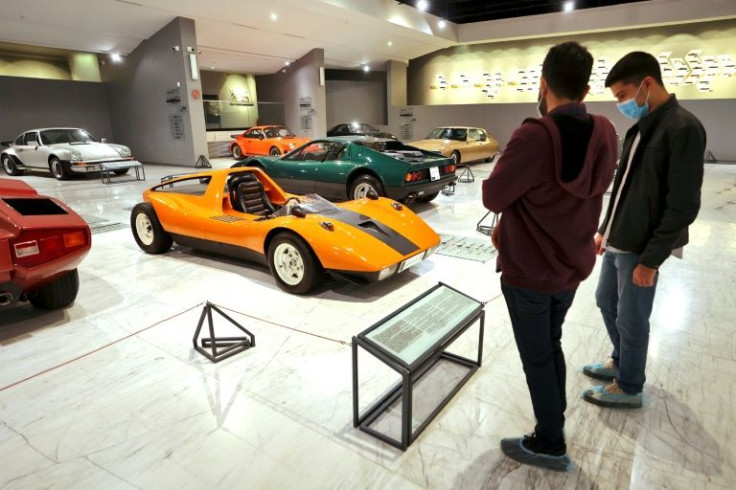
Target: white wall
[(355, 100)]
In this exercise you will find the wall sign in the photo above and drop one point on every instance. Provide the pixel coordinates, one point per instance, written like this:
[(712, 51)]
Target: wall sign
[(176, 126)]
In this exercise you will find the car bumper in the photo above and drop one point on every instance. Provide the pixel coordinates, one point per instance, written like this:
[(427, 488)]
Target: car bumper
[(360, 277), (413, 191), (89, 167)]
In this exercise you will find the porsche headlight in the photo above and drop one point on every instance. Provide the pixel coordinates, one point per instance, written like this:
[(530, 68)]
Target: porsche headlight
[(124, 151), (292, 145), (76, 155)]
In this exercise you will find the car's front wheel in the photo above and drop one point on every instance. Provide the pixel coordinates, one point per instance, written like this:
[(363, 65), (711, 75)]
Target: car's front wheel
[(455, 157), (10, 166), (57, 169), (293, 264), (362, 185), (236, 152), (147, 229), (274, 152), (56, 294)]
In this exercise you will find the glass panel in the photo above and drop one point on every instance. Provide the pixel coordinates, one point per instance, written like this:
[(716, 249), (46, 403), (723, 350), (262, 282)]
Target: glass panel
[(419, 327)]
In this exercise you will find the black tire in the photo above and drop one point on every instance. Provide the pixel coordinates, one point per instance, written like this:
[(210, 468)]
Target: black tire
[(121, 171), (360, 185), (428, 197), (456, 158), (274, 152), (57, 169), (59, 293), (10, 166), (236, 152), (492, 158), (285, 249), (147, 229)]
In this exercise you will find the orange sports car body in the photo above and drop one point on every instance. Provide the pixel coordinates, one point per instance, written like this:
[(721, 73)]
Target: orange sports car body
[(265, 140), (241, 212)]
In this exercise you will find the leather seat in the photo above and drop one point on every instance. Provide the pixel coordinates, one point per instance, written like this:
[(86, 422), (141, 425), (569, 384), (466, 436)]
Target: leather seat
[(247, 195)]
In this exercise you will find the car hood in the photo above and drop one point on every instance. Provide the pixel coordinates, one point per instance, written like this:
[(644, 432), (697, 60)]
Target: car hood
[(433, 145), (92, 150)]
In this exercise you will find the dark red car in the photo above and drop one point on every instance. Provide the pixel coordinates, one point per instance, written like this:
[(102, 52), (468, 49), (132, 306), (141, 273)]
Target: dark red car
[(42, 241)]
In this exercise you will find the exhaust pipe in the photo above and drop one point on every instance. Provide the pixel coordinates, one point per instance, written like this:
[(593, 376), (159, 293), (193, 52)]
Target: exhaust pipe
[(5, 299)]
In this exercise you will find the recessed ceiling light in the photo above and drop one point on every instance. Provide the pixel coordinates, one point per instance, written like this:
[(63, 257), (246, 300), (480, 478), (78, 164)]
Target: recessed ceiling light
[(441, 24), (287, 62), (568, 6), (366, 68), (390, 43), (274, 16), (115, 57), (422, 5)]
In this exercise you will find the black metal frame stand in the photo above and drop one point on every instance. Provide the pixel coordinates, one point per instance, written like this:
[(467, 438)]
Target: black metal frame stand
[(202, 162), (229, 345), (486, 229), (107, 173), (449, 189), (466, 176), (410, 374)]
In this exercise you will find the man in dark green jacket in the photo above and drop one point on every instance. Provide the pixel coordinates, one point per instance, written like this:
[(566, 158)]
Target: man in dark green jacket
[(656, 196)]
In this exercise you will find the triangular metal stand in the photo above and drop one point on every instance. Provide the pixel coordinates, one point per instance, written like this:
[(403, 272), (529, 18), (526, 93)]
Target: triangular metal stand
[(449, 189), (222, 347), (202, 162), (487, 229), (466, 176), (710, 157)]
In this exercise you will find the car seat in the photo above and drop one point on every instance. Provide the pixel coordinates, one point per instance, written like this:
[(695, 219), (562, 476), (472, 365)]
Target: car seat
[(247, 195)]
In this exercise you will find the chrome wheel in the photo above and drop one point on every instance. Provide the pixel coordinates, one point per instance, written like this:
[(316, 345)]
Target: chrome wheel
[(237, 153), (144, 229), (57, 169), (8, 165), (274, 152), (455, 157), (289, 264), (362, 190)]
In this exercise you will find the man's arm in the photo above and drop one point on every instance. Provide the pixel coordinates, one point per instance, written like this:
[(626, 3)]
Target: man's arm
[(684, 179), (517, 170)]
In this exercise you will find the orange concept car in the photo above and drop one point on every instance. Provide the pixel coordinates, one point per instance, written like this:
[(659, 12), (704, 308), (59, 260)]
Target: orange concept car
[(265, 140), (242, 213)]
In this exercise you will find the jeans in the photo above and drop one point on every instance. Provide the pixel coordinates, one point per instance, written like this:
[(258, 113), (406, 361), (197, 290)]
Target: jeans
[(537, 320), (626, 308)]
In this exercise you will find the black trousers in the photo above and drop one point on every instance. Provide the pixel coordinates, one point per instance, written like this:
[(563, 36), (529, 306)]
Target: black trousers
[(537, 320)]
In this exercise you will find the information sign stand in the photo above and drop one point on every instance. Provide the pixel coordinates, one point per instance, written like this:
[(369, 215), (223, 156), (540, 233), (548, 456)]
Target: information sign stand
[(411, 341)]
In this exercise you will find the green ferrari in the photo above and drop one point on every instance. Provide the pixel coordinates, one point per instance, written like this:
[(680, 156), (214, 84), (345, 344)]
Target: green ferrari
[(352, 167)]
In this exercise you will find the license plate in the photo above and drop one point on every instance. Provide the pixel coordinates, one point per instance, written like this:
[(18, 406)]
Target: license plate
[(434, 173), (411, 261)]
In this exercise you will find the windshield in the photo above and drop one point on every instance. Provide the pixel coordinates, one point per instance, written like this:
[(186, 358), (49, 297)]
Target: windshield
[(278, 132), (456, 134), (362, 128), (310, 203), (54, 136)]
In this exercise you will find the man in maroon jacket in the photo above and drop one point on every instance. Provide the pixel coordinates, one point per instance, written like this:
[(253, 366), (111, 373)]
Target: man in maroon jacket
[(549, 185)]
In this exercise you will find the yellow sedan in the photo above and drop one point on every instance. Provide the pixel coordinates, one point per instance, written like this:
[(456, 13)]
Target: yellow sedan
[(462, 144)]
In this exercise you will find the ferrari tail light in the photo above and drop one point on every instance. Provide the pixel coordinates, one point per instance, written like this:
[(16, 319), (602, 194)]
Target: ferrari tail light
[(416, 175), (36, 247), (448, 169)]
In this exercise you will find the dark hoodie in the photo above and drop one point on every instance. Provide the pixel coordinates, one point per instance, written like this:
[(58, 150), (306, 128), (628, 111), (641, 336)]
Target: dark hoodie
[(550, 191)]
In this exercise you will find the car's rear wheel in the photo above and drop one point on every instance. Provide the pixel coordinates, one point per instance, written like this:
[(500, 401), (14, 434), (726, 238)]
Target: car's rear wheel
[(274, 152), (147, 229), (293, 264), (57, 169), (427, 197), (236, 152), (363, 184), (10, 166), (56, 294), (121, 171), (455, 157)]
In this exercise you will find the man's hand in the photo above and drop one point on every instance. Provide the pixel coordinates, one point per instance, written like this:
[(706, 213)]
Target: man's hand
[(495, 236), (644, 276), (598, 244)]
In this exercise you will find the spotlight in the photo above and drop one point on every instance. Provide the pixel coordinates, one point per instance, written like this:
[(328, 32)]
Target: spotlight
[(390, 43), (568, 6), (116, 58), (287, 63), (274, 16), (366, 68), (441, 24), (422, 5)]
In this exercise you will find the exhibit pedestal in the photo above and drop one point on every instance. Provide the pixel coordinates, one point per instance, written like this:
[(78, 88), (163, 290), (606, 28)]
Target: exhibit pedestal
[(413, 341), (220, 347)]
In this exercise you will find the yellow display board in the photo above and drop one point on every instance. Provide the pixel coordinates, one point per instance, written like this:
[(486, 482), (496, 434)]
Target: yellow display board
[(698, 61)]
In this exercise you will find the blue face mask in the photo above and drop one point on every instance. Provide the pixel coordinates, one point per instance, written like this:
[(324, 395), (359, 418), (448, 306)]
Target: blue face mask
[(631, 109)]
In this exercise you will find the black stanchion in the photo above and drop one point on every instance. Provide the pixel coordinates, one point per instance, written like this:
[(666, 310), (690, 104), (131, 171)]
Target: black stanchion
[(220, 347)]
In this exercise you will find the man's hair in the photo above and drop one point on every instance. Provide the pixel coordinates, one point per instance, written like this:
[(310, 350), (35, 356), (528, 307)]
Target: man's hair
[(566, 69), (633, 67)]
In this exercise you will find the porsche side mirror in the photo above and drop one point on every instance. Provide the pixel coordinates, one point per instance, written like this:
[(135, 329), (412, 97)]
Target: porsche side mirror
[(371, 194)]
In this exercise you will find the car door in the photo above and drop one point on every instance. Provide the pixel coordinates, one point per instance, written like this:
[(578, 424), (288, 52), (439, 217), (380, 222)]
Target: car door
[(298, 171), (251, 142), (34, 154), (474, 145), (486, 149), (333, 171)]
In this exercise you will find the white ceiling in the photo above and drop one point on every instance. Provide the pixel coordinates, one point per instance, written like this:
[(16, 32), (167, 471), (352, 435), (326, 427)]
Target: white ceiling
[(234, 35)]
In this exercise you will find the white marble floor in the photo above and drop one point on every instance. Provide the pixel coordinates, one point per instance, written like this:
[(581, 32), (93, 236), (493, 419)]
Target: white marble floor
[(110, 394)]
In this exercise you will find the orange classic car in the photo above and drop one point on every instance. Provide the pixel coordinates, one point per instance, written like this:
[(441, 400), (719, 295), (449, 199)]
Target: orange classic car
[(242, 213), (462, 144), (265, 140)]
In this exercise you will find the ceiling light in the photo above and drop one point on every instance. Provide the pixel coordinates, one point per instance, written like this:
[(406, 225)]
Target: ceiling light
[(116, 58), (568, 6), (366, 68), (390, 43), (274, 16), (287, 63), (422, 5), (441, 24), (212, 67)]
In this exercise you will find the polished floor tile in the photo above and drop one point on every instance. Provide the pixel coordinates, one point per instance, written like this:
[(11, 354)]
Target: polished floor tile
[(109, 393)]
